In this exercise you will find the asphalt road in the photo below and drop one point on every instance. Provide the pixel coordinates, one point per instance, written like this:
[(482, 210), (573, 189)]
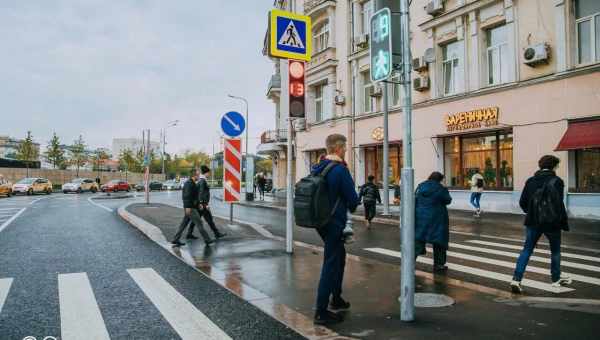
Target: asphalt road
[(72, 269)]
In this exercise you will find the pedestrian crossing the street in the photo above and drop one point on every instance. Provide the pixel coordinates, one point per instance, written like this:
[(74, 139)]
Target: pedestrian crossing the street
[(495, 261), (82, 318)]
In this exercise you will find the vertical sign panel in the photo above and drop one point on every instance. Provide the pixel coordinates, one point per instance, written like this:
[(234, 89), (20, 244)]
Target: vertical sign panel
[(232, 174)]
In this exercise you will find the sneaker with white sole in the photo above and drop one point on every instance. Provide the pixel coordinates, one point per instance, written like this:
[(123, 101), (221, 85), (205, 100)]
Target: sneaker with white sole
[(515, 287), (563, 281)]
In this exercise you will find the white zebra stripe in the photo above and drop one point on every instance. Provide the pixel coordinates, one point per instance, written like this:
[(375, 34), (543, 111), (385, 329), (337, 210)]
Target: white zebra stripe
[(4, 288), (541, 251)]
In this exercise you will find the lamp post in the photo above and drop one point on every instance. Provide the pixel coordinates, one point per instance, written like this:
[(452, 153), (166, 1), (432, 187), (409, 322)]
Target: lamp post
[(164, 142), (249, 193)]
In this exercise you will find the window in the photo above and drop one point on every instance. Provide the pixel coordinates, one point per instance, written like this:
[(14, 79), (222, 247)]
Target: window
[(497, 55), (489, 154), (587, 14), (366, 13), (319, 103), (321, 38), (315, 156), (369, 102), (588, 170), (394, 91), (451, 66), (374, 163)]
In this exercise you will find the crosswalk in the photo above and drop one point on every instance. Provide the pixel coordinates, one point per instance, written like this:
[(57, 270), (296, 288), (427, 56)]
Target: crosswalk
[(495, 261), (11, 208), (82, 318)]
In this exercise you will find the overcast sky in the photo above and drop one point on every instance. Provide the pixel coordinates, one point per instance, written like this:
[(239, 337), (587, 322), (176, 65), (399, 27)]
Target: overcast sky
[(109, 69)]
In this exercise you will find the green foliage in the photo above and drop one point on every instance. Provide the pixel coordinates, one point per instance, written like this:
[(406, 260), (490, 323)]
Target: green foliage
[(127, 161), (101, 156), (27, 151), (77, 155), (54, 154), (264, 165)]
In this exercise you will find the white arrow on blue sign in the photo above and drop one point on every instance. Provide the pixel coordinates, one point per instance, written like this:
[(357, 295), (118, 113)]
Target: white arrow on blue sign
[(233, 124)]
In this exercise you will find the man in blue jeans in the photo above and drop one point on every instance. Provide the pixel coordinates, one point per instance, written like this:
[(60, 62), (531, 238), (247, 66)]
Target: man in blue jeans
[(340, 186), (542, 201)]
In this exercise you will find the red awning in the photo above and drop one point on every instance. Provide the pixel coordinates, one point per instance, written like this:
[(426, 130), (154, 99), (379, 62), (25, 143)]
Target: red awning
[(581, 135)]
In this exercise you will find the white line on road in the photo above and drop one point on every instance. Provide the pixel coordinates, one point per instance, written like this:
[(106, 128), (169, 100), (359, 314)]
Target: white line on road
[(9, 209), (37, 200), (541, 251), (4, 288), (80, 316), (532, 258), (506, 264), (99, 205), (9, 221), (478, 272), (186, 320)]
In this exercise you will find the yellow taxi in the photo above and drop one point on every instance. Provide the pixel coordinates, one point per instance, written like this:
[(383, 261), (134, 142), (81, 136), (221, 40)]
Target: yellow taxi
[(5, 186), (33, 185)]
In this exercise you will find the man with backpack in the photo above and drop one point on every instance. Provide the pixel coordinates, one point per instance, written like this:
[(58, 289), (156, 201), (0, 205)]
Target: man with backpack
[(542, 201), (322, 201), (369, 194), (477, 184)]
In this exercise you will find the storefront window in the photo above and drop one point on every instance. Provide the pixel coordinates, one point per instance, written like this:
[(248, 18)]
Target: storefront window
[(315, 156), (374, 163), (588, 170), (489, 154)]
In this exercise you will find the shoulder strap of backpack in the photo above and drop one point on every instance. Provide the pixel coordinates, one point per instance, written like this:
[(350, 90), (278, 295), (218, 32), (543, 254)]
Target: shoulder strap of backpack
[(328, 168)]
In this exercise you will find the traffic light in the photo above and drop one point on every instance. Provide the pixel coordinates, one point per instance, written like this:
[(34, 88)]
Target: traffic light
[(381, 45), (297, 89)]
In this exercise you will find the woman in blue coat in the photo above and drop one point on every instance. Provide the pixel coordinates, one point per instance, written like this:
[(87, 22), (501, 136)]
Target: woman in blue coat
[(431, 219)]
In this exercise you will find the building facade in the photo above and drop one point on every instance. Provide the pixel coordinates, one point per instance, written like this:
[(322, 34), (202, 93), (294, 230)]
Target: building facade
[(134, 144), (9, 147), (496, 84)]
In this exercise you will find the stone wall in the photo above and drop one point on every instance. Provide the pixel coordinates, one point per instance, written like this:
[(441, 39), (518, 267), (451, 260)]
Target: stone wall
[(59, 177)]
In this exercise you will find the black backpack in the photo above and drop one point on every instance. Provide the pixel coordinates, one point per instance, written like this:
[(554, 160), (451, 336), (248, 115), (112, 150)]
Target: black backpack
[(311, 200), (370, 194), (544, 203), (479, 183)]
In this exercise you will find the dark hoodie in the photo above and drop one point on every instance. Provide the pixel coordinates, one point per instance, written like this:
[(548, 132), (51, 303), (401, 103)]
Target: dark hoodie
[(341, 185), (531, 186), (431, 215)]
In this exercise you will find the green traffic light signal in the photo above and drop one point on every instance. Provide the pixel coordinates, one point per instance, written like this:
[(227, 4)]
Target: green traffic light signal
[(381, 45)]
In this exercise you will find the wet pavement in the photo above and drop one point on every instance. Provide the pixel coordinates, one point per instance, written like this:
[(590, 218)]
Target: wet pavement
[(250, 259)]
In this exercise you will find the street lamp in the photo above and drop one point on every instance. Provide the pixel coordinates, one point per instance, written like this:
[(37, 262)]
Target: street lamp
[(164, 142), (249, 193)]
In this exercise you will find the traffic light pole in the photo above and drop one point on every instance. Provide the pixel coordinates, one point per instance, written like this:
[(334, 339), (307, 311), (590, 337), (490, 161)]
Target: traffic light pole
[(407, 224), (289, 220), (386, 152)]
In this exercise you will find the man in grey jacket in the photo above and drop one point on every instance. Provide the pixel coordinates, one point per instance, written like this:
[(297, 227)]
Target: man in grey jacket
[(203, 190), (189, 196)]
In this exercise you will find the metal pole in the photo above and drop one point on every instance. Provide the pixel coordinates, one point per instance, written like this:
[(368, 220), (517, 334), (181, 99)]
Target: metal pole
[(163, 140), (289, 221), (147, 168), (386, 152), (407, 297), (231, 212)]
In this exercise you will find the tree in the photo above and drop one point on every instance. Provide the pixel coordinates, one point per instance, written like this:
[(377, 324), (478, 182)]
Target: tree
[(101, 156), (196, 158), (54, 154), (264, 165), (26, 151), (78, 156)]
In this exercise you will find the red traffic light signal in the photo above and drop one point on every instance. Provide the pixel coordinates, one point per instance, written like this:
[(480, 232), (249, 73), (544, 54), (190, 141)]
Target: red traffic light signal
[(296, 89)]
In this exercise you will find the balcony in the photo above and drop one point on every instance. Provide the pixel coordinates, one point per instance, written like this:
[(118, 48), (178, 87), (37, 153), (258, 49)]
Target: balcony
[(272, 141), (313, 6), (274, 87)]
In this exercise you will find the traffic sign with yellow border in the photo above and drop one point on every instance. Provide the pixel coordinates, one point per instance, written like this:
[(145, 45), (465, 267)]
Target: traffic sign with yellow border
[(290, 35)]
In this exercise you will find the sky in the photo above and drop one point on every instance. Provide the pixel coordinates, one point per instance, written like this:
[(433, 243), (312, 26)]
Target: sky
[(108, 69)]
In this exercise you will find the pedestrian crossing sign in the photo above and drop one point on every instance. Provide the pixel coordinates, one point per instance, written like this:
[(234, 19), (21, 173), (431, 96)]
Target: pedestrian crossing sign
[(290, 35)]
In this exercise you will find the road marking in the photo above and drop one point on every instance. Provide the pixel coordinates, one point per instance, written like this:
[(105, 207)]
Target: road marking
[(99, 205), (80, 316), (532, 258), (478, 272), (9, 209), (181, 314), (37, 200), (506, 264), (541, 251), (4, 288), (9, 221)]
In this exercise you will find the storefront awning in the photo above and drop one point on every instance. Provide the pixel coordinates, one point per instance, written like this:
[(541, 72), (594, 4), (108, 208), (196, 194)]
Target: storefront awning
[(581, 135)]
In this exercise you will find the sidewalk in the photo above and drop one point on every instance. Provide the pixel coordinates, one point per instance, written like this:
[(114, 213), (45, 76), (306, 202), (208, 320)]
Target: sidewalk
[(253, 264)]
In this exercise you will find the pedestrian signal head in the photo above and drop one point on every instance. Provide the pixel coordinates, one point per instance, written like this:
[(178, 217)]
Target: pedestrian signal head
[(297, 89)]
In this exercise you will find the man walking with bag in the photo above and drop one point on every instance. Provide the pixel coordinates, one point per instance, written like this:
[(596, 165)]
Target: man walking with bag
[(204, 199), (189, 196), (369, 194), (542, 201)]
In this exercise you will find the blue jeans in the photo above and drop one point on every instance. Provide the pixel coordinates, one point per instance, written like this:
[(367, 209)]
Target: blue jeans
[(334, 262), (533, 235), (475, 198)]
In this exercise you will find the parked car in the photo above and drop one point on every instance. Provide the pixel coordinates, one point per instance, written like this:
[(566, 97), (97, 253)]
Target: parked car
[(153, 185), (5, 186), (80, 185), (115, 185), (171, 185), (32, 185)]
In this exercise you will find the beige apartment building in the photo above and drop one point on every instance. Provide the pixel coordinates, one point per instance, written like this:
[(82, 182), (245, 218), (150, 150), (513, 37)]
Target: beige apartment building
[(496, 84)]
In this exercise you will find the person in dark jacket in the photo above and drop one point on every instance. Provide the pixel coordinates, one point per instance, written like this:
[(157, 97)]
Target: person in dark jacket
[(189, 196), (369, 194), (543, 185), (203, 190), (431, 219), (340, 186)]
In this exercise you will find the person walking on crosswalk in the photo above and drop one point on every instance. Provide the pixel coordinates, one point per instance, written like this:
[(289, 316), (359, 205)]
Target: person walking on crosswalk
[(542, 201), (369, 195), (431, 219), (203, 190), (477, 184), (189, 196)]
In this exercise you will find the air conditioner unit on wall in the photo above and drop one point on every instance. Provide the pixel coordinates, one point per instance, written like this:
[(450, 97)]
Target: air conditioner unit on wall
[(377, 91), (340, 99), (362, 41), (434, 7), (419, 64), (536, 54), (421, 83)]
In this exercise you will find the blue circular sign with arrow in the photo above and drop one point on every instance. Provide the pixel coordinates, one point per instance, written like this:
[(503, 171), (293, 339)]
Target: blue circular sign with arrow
[(233, 124)]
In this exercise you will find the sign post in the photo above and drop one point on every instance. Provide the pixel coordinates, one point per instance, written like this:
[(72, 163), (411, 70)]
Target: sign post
[(233, 125)]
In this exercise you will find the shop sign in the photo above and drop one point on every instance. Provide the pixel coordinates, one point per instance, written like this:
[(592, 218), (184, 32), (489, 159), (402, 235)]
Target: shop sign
[(472, 119)]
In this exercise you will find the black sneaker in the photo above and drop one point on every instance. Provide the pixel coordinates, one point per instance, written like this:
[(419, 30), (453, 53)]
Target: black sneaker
[(339, 304), (440, 268), (209, 242), (220, 235), (177, 244), (191, 237), (327, 318)]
